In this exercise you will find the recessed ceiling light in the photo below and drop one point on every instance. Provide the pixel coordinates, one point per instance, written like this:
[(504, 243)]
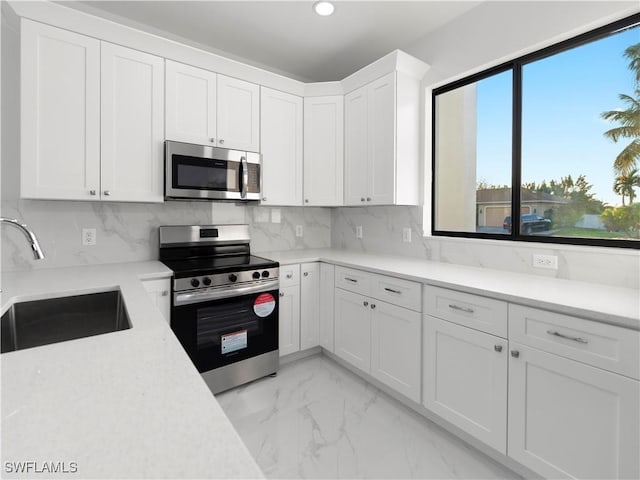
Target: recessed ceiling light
[(323, 8)]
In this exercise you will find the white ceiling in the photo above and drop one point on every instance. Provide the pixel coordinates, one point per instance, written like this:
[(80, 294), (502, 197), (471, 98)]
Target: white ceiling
[(286, 36)]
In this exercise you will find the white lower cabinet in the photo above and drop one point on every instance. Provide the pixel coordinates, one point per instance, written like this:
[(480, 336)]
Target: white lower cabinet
[(160, 292), (571, 420), (395, 348), (327, 282), (289, 320), (465, 379), (309, 305), (353, 329)]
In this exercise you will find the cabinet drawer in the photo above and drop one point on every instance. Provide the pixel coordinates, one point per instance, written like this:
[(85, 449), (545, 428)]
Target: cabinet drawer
[(352, 280), (396, 291), (289, 275), (609, 347), (481, 313)]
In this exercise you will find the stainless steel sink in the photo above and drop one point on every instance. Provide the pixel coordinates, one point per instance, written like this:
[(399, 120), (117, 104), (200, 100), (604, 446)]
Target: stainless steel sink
[(42, 322)]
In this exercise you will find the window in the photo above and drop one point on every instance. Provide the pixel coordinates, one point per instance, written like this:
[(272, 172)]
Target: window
[(561, 124)]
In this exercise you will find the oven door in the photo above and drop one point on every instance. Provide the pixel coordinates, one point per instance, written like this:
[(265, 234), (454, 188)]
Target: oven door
[(221, 331)]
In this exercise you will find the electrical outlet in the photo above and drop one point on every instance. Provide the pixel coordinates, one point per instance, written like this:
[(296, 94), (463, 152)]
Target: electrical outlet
[(89, 236), (298, 230), (406, 235), (359, 231), (545, 261), (276, 216)]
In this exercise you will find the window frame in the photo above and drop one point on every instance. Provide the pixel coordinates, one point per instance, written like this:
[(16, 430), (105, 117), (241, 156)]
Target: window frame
[(515, 66)]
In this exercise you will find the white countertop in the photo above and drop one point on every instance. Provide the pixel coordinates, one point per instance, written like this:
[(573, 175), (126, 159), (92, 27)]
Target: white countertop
[(128, 404), (602, 303)]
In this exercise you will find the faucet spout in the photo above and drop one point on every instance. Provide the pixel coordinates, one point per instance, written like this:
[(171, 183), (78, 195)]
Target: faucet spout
[(38, 254)]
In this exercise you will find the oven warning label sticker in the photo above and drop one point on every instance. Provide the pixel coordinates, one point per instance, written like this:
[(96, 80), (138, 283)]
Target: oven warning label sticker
[(234, 341), (264, 305)]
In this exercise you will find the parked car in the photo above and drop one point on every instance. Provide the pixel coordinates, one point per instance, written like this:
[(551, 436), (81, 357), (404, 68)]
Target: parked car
[(528, 223)]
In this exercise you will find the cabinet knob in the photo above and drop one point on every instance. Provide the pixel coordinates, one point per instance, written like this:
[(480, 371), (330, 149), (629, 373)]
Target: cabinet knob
[(107, 193), (362, 199), (289, 275), (221, 142), (515, 353), (497, 348), (282, 294), (164, 293), (365, 303), (92, 192), (306, 200), (306, 274), (264, 199), (213, 140), (368, 199), (373, 305)]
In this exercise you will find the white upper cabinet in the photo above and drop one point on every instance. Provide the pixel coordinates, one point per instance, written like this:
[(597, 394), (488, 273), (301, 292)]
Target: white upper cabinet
[(60, 121), (382, 121), (238, 114), (206, 108), (281, 137), (92, 118), (132, 118), (323, 150), (190, 98)]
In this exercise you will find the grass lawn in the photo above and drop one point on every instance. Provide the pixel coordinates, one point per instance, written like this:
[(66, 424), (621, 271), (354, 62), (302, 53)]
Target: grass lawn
[(590, 233)]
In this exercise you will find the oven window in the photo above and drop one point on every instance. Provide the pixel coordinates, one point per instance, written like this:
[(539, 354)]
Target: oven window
[(225, 326), (198, 174)]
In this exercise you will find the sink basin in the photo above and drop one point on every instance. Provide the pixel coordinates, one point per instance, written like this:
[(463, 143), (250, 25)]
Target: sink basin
[(42, 322)]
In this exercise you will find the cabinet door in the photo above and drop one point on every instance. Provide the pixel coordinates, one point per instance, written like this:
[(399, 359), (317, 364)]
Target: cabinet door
[(289, 320), (396, 348), (281, 134), (381, 95), (323, 150), (353, 329), (356, 141), (60, 114), (568, 419), (310, 305), (238, 114), (132, 125), (190, 97), (327, 274), (465, 379), (160, 292)]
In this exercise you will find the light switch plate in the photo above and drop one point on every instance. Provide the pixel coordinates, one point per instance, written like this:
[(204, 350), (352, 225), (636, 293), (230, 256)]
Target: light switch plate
[(406, 235), (359, 231), (299, 230)]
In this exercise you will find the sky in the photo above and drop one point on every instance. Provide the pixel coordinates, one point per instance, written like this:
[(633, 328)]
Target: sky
[(563, 97)]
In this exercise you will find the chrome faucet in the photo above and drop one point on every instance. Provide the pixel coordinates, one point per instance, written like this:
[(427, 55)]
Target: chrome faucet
[(35, 246)]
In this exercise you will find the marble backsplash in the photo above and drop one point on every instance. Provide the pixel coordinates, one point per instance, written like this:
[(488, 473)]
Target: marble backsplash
[(382, 233)]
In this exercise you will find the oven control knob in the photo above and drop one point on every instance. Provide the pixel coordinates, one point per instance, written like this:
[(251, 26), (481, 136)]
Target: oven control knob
[(206, 281), (195, 282), (233, 277), (256, 275), (265, 274)]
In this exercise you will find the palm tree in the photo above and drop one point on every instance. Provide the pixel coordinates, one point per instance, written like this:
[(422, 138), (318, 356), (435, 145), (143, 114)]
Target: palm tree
[(624, 185), (628, 120)]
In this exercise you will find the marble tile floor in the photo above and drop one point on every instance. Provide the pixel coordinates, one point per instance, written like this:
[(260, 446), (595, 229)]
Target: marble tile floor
[(316, 419)]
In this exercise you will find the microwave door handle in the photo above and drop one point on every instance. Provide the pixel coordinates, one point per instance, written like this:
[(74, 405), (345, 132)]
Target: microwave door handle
[(244, 177)]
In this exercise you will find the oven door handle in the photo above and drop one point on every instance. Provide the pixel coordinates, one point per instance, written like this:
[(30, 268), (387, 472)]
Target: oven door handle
[(224, 292)]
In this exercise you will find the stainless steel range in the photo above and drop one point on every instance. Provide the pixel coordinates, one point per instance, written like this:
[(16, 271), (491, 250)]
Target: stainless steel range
[(224, 306)]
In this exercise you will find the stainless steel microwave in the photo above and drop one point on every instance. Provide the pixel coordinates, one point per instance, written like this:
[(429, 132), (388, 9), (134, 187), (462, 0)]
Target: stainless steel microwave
[(201, 172)]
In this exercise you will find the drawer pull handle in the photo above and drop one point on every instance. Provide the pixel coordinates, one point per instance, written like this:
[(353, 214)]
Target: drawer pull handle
[(462, 309), (561, 335), (393, 291), (497, 348), (350, 280), (515, 353)]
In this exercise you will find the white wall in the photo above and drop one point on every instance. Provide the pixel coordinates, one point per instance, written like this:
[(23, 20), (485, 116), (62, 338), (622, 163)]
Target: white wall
[(486, 36)]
